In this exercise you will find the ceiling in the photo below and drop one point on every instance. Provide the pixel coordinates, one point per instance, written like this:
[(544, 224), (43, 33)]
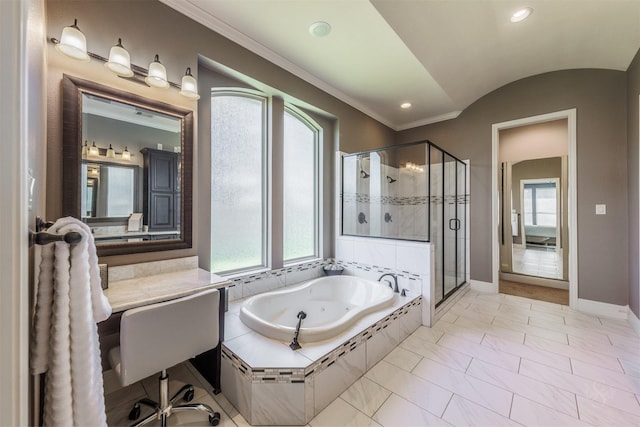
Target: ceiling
[(439, 55)]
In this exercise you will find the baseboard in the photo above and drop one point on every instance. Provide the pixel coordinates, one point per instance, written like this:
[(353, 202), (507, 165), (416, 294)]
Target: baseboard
[(635, 322), (603, 309), (534, 280), (486, 287)]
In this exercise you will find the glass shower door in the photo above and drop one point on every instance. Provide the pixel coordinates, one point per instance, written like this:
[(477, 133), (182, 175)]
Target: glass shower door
[(461, 216), (436, 216), (451, 224)]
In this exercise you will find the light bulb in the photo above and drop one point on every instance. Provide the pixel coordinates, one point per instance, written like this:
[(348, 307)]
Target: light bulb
[(189, 87), (73, 43), (119, 60), (157, 76), (93, 150)]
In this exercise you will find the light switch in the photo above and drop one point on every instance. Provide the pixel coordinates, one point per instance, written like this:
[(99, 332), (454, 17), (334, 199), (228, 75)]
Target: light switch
[(601, 209)]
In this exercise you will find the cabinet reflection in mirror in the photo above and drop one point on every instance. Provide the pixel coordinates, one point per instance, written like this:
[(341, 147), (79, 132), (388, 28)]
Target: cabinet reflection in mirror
[(125, 159)]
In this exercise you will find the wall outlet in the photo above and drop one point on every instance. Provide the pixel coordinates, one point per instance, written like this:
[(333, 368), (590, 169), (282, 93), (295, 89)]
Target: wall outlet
[(601, 209)]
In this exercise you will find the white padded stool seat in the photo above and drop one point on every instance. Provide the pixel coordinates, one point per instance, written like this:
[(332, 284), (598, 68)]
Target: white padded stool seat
[(157, 336)]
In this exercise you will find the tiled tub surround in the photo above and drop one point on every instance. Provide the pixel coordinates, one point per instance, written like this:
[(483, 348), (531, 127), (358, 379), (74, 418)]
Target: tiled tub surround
[(270, 384), (257, 283), (412, 262)]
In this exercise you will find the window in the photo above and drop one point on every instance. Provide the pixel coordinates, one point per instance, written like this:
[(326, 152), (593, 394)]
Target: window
[(238, 182), (540, 204), (300, 188), (243, 189)]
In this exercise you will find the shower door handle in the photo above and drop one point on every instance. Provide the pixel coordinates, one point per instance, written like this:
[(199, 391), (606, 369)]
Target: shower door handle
[(456, 224)]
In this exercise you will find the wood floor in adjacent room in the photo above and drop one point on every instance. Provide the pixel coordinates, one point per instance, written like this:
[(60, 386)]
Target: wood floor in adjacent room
[(540, 293)]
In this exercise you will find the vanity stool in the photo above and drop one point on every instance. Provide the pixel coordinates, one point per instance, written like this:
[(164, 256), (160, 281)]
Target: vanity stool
[(157, 336)]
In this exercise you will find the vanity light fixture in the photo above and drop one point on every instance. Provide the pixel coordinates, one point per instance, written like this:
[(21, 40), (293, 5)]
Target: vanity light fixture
[(126, 155), (73, 43), (85, 149), (521, 14), (157, 76), (189, 86), (119, 60), (93, 150), (111, 152)]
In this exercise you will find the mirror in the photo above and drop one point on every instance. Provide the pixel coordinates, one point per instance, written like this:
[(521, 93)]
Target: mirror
[(127, 164)]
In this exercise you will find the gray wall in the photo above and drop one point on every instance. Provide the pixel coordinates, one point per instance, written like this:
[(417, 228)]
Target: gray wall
[(600, 97), (148, 27), (633, 92)]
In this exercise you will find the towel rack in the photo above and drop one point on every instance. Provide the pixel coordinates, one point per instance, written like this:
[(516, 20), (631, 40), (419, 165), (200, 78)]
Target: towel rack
[(41, 237)]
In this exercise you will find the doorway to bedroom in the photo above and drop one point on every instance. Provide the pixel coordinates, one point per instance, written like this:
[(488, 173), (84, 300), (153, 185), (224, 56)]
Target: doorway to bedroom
[(533, 200)]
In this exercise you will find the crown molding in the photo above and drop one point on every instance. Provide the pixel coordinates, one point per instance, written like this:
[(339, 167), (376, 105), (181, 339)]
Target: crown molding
[(205, 18)]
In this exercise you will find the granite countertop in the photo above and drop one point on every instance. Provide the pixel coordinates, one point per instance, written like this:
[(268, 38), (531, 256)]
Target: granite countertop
[(136, 292)]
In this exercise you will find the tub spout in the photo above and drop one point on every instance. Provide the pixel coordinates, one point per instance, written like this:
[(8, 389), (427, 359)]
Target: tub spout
[(294, 343), (395, 281)]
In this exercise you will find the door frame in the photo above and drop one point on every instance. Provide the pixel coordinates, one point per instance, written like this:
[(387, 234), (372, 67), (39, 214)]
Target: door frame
[(571, 117)]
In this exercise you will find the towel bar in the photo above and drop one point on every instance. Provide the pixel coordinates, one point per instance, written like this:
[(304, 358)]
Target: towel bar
[(40, 237)]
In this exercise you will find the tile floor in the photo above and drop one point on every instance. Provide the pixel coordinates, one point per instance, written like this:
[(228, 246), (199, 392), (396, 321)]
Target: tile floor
[(537, 262), (492, 360)]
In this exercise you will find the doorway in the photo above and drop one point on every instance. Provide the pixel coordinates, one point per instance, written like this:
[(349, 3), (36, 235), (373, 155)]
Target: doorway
[(533, 204)]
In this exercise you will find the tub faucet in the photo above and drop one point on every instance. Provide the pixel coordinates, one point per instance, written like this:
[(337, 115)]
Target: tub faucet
[(395, 281)]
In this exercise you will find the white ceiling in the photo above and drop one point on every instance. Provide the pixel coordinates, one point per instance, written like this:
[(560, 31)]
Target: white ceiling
[(440, 55)]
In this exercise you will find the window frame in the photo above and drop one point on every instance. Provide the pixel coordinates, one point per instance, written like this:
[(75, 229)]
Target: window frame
[(266, 187), (533, 186), (317, 185)]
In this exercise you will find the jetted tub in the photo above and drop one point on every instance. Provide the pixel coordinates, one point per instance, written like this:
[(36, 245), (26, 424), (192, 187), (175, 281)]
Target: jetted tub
[(331, 304)]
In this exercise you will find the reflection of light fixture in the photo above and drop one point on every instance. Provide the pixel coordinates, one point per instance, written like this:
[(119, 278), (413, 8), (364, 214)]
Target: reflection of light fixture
[(110, 152), (405, 105), (390, 180), (521, 14), (189, 86), (157, 74), (85, 149), (73, 43), (119, 60), (93, 150), (413, 167), (126, 155)]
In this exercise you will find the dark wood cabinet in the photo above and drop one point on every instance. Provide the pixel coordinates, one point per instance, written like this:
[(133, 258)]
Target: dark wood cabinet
[(161, 202)]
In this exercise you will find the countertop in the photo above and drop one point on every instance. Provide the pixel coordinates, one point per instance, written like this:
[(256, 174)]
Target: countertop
[(131, 293)]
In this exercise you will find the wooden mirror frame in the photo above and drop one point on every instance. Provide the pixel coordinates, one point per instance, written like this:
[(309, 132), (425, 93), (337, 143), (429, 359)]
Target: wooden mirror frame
[(73, 89)]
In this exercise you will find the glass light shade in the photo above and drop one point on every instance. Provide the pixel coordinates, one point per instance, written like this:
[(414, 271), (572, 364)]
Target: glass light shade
[(189, 88), (110, 152), (85, 149), (73, 43), (157, 76), (119, 60), (126, 155), (93, 150)]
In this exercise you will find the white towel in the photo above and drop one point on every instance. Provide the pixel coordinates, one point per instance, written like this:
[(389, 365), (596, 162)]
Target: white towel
[(65, 345)]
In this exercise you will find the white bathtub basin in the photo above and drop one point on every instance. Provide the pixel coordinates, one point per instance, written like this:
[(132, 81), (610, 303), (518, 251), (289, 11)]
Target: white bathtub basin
[(331, 304)]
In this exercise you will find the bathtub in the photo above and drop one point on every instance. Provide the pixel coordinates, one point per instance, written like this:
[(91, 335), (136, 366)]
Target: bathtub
[(331, 303)]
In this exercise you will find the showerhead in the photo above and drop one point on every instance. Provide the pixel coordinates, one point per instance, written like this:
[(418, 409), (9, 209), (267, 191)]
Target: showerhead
[(390, 180), (364, 174)]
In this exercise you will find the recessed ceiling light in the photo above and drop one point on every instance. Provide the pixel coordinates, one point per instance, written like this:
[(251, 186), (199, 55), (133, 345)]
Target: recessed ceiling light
[(320, 29), (405, 105), (521, 14)]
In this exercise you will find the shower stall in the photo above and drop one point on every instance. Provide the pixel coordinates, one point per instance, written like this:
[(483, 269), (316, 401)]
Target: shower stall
[(415, 192)]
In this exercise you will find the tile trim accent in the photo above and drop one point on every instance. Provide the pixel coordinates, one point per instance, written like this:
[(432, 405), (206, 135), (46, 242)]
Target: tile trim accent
[(297, 375)]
